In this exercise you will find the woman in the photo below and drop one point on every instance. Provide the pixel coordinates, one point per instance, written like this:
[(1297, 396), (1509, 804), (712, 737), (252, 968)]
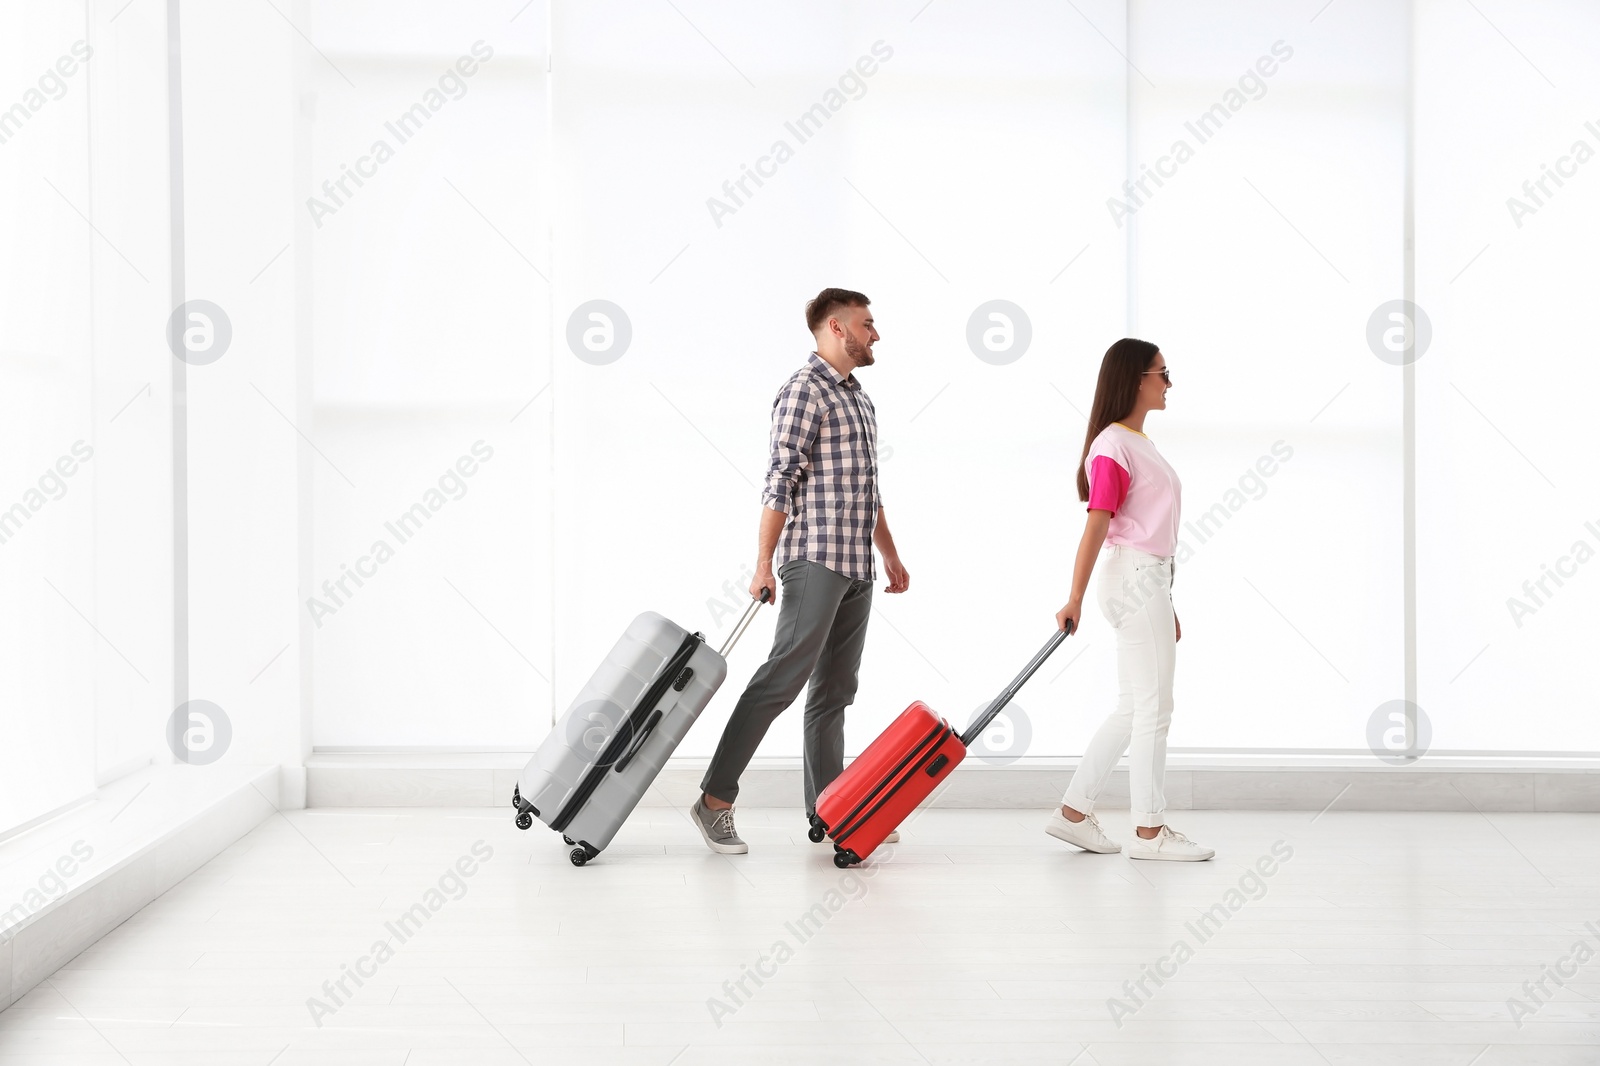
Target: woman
[(1133, 498)]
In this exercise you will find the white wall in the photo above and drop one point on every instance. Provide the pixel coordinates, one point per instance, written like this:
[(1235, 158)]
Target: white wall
[(132, 465), (244, 455)]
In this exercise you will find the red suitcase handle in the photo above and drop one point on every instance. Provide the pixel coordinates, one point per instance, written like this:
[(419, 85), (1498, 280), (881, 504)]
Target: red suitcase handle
[(979, 724)]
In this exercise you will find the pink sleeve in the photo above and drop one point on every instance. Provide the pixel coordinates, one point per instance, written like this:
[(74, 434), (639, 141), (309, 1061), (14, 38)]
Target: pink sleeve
[(1108, 484)]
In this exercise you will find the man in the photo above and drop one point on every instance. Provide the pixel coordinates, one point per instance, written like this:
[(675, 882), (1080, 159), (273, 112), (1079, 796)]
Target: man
[(822, 515)]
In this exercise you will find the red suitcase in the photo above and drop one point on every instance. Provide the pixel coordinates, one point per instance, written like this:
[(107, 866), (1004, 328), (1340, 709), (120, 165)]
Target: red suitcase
[(901, 769)]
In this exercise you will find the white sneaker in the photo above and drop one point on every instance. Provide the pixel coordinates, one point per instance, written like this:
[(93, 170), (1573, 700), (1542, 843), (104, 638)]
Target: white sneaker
[(1086, 834), (893, 837), (1168, 844)]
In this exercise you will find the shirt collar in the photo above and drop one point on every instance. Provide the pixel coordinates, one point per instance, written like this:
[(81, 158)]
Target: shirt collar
[(826, 368)]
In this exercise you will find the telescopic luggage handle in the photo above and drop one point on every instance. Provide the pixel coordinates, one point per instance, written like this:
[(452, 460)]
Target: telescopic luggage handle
[(979, 724), (744, 622)]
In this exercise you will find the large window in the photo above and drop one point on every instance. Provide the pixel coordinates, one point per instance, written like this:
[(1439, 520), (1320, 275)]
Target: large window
[(511, 287), (1258, 260), (429, 309), (710, 168), (1508, 504), (85, 506)]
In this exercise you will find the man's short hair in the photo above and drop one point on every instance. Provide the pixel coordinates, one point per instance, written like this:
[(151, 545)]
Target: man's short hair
[(826, 302)]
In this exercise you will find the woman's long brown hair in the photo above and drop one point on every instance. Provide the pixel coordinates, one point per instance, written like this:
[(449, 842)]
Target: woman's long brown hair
[(1121, 372)]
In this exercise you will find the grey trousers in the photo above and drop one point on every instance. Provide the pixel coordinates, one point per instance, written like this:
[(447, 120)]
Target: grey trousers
[(822, 627)]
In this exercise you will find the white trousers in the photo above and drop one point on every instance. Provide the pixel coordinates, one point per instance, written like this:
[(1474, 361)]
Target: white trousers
[(1135, 595)]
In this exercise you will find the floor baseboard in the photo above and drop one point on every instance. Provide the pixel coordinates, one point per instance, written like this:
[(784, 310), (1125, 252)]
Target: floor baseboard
[(1211, 782)]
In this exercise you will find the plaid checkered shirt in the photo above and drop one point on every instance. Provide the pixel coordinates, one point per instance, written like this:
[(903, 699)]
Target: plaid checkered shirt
[(824, 470)]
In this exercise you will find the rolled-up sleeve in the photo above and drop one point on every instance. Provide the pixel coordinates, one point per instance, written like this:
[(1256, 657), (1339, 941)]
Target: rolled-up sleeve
[(796, 417)]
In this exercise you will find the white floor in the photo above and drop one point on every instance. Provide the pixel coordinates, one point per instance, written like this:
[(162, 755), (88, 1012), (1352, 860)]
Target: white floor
[(1383, 938)]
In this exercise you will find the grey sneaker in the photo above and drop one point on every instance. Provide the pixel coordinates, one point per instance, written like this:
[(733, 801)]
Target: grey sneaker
[(717, 829), (1086, 834)]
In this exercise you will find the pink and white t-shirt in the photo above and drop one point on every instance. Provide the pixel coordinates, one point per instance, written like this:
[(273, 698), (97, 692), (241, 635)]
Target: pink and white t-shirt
[(1128, 477)]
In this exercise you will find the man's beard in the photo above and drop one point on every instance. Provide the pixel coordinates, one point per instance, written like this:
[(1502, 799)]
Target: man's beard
[(860, 354)]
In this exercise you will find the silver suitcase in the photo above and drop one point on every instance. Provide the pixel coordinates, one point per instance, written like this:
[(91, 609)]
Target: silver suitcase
[(594, 767)]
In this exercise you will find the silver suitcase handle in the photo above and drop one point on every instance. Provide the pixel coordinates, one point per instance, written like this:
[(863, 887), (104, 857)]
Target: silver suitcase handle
[(744, 622)]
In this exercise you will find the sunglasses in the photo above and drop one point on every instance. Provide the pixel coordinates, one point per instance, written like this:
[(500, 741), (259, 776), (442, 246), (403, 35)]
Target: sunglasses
[(1165, 372)]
